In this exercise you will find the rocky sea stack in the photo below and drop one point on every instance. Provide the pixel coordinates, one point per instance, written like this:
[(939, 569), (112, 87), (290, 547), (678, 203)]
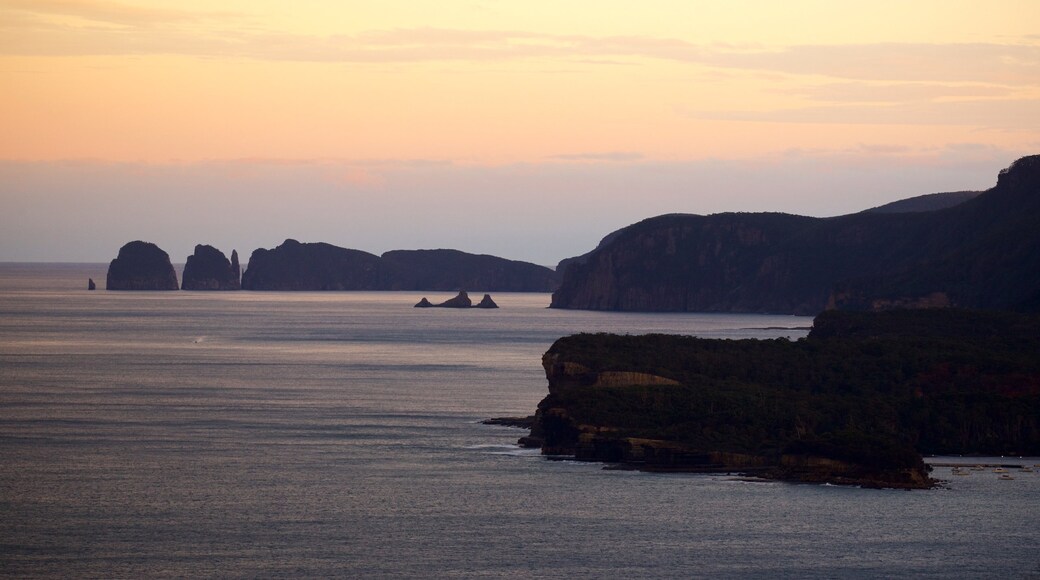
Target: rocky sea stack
[(486, 302), (141, 266), (209, 269)]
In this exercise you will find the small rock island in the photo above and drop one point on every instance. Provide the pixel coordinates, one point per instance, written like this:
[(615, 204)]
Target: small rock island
[(141, 266), (462, 300)]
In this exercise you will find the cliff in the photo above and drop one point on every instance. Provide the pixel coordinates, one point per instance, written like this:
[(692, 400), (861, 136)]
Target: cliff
[(141, 266), (856, 402), (209, 269), (447, 270), (314, 266), (982, 253), (319, 266)]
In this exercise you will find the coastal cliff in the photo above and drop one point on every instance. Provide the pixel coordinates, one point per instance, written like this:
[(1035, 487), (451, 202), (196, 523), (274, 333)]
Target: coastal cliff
[(981, 253), (319, 266), (857, 402), (314, 266), (141, 266), (209, 269)]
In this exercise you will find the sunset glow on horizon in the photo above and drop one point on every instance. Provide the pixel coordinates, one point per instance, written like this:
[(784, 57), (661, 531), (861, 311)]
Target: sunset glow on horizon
[(379, 98)]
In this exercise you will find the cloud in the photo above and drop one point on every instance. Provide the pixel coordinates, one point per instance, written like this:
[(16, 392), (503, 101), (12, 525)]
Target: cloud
[(863, 92), (109, 12), (1017, 114), (599, 156), (155, 31)]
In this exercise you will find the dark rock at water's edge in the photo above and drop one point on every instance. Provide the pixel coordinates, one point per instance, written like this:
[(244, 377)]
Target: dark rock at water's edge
[(856, 402), (141, 266), (462, 300), (90, 284), (209, 269), (486, 302), (981, 253), (518, 422)]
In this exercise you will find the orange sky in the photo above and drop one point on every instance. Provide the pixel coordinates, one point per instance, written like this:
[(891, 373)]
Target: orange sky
[(503, 84)]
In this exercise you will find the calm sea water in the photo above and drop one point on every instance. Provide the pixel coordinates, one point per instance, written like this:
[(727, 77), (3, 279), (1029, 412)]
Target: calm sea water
[(338, 434)]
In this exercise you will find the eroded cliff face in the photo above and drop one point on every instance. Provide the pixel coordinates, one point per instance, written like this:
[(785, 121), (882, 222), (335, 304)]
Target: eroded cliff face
[(141, 266), (856, 402), (981, 253)]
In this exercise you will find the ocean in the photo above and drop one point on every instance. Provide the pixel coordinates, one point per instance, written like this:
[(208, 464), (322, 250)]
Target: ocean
[(338, 434)]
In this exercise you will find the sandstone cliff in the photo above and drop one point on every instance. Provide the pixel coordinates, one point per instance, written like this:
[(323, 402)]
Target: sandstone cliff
[(857, 402), (141, 266), (982, 253), (209, 269)]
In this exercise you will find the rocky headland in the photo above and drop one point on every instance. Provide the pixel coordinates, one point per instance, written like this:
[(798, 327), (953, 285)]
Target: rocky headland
[(856, 402), (983, 252), (318, 266), (209, 269), (141, 266)]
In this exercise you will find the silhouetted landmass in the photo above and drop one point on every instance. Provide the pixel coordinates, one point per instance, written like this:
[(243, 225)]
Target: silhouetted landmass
[(462, 300), (90, 284), (486, 302), (858, 401), (319, 266), (982, 253), (930, 202), (141, 266), (314, 266), (448, 270), (209, 269)]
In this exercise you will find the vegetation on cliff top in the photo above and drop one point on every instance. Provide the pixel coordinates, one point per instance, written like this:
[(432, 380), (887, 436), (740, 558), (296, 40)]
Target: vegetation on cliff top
[(871, 389)]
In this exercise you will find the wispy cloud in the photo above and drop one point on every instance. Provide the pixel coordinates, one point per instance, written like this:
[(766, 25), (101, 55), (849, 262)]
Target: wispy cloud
[(162, 31), (109, 12), (863, 92), (619, 156), (1004, 113)]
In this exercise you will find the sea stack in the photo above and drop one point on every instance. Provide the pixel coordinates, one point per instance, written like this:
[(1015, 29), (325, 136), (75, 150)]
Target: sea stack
[(424, 303), (90, 284), (209, 269), (141, 266), (460, 301), (486, 302)]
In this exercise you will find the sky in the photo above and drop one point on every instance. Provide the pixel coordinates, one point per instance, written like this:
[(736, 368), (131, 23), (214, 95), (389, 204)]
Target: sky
[(527, 129)]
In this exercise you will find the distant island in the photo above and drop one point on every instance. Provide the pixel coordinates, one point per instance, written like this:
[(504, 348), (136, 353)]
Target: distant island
[(856, 402), (973, 250), (321, 267)]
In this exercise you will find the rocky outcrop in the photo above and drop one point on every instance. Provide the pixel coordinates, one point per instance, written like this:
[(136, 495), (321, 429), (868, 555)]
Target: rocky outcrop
[(981, 253), (209, 269), (857, 402), (90, 284), (486, 302), (141, 266), (461, 300), (314, 266)]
